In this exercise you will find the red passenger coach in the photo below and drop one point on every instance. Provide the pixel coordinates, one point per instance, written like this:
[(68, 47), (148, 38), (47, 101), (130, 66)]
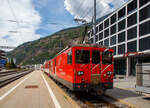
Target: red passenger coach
[(83, 67)]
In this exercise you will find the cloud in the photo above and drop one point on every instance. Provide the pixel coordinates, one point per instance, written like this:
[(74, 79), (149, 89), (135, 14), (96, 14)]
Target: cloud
[(18, 22), (84, 8)]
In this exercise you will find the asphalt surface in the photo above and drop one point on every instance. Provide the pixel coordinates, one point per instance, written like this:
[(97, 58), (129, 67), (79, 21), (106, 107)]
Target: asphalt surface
[(34, 90), (124, 92)]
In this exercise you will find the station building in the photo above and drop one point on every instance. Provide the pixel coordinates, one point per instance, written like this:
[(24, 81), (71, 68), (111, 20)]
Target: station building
[(2, 57), (127, 31)]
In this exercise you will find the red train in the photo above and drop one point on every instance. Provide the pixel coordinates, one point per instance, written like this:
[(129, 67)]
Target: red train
[(82, 67)]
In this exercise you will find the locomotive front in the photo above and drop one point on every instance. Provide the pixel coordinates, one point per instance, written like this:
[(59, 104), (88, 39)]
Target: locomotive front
[(93, 68)]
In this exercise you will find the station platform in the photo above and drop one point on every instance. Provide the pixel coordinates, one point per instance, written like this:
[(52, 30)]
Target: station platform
[(35, 90), (124, 92)]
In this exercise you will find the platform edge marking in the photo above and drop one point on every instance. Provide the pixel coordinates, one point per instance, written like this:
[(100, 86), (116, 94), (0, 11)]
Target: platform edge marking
[(56, 103), (124, 102), (8, 92)]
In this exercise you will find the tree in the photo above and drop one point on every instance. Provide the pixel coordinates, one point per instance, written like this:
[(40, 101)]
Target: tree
[(12, 64)]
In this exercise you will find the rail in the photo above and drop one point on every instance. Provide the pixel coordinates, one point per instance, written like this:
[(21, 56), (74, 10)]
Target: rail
[(8, 77), (90, 99)]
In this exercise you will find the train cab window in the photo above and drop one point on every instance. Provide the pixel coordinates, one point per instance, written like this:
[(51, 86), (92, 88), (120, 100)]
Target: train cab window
[(107, 57), (69, 57), (82, 56), (95, 57)]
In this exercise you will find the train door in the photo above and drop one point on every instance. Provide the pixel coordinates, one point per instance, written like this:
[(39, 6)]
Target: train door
[(95, 67), (52, 66)]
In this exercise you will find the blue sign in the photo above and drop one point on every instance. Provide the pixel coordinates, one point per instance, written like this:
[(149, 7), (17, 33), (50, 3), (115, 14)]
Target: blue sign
[(3, 61)]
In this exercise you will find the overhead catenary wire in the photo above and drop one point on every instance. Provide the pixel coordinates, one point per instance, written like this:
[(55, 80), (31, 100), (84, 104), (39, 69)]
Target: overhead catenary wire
[(89, 11), (81, 5), (13, 13)]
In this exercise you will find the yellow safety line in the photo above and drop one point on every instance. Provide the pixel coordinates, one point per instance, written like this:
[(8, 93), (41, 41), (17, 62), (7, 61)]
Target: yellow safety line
[(131, 89)]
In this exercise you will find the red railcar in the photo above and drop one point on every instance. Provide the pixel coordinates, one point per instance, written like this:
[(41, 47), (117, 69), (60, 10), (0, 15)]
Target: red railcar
[(82, 68)]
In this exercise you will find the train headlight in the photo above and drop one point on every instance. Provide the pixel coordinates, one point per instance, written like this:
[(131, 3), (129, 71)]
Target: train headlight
[(80, 73), (109, 73)]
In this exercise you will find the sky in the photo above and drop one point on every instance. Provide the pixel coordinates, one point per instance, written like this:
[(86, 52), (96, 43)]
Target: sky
[(27, 20)]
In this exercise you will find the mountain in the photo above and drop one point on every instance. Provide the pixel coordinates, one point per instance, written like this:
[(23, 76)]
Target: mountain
[(38, 51)]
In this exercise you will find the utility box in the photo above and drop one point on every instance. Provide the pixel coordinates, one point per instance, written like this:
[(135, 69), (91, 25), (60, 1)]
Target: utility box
[(143, 77)]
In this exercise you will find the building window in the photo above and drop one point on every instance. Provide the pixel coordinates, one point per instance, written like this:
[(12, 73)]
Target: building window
[(144, 13), (144, 44), (89, 34), (121, 49), (106, 42), (121, 37), (106, 23), (132, 46), (132, 6), (101, 27), (132, 19), (101, 43), (121, 25), (121, 13), (92, 32), (113, 29), (114, 48), (101, 36), (144, 28), (97, 29), (143, 2), (113, 40), (106, 33), (132, 33), (113, 19), (96, 38), (69, 57)]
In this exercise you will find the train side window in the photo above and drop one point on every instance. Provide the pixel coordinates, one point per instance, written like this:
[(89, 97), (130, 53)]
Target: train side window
[(107, 57), (69, 57), (95, 57)]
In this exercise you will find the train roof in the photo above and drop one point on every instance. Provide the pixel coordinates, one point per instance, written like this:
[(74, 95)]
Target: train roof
[(89, 45), (82, 45)]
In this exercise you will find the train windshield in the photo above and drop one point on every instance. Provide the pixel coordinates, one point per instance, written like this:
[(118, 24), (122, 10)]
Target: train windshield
[(107, 57), (82, 56)]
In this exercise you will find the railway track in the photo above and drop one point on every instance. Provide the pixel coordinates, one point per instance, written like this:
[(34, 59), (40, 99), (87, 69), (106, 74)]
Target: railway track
[(89, 100), (8, 77)]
